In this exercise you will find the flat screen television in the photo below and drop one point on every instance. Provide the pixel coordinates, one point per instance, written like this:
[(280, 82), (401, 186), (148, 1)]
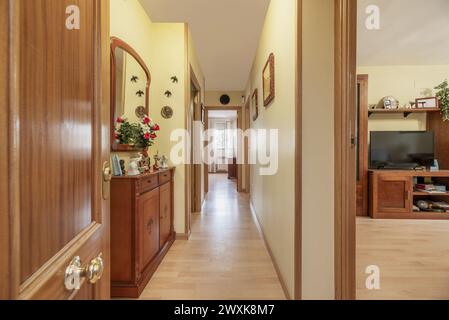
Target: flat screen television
[(401, 149)]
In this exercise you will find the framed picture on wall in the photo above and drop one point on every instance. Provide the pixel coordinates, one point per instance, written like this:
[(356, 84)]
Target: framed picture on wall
[(255, 104), (431, 102), (268, 79)]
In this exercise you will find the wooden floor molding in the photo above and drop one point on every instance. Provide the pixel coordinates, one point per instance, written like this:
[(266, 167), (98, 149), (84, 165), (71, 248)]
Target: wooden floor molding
[(270, 252), (182, 236)]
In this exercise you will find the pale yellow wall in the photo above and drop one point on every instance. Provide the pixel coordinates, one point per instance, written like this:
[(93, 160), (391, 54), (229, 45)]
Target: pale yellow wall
[(273, 197), (168, 59), (163, 47), (213, 98), (318, 150), (405, 83)]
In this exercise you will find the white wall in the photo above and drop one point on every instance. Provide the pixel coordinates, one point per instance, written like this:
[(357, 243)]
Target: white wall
[(318, 150), (273, 197)]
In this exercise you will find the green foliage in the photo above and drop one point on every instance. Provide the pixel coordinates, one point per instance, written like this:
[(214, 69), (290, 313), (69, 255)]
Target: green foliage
[(443, 98)]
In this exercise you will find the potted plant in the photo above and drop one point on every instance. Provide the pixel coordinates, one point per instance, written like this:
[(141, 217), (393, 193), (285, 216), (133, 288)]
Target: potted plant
[(443, 98), (132, 136)]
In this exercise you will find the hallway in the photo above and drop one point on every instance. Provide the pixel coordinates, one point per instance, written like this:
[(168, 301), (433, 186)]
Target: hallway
[(225, 257)]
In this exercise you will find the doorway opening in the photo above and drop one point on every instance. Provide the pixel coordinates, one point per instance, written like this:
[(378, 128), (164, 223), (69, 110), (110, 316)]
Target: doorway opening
[(223, 125), (388, 228)]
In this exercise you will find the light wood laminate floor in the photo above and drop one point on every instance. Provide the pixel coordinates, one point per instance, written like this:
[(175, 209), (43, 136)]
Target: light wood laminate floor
[(225, 258), (413, 257)]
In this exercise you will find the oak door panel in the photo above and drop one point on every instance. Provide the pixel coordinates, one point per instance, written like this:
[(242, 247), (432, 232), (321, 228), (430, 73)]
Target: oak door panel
[(165, 213), (58, 114), (149, 226)]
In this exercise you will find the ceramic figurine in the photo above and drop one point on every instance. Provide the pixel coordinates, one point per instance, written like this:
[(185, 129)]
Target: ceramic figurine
[(122, 166), (156, 162), (164, 162), (133, 168)]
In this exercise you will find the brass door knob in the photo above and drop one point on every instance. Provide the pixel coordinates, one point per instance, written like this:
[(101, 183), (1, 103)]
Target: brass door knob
[(95, 269), (74, 273)]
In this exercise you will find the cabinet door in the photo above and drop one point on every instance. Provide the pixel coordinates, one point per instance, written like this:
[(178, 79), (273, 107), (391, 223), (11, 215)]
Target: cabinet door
[(394, 194), (165, 213), (149, 226)]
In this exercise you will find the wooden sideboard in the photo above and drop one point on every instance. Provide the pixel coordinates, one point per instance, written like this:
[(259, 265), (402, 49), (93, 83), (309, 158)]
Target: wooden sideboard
[(392, 194), (142, 229)]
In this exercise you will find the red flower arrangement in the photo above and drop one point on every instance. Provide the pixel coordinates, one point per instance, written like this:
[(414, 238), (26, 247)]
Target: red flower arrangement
[(141, 135)]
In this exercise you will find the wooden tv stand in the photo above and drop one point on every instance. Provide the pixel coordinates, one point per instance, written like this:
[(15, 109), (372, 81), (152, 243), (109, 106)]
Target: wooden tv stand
[(392, 194)]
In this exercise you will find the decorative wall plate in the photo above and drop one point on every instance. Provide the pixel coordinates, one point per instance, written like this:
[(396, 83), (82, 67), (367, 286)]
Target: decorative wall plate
[(167, 112), (141, 112), (225, 99)]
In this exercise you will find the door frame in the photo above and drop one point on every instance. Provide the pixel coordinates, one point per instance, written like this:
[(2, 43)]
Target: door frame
[(362, 141), (345, 155), (298, 155), (11, 287), (190, 168), (246, 146), (7, 96), (239, 110)]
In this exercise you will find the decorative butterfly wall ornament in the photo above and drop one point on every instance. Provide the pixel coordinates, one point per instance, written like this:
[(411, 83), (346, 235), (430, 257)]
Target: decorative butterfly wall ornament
[(174, 79), (134, 79), (168, 93), (140, 93)]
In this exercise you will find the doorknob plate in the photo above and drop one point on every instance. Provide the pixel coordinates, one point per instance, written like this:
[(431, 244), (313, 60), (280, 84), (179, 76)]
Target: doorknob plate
[(106, 181)]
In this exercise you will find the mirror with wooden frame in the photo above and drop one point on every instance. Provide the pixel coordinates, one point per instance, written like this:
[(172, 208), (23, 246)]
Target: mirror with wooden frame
[(130, 87)]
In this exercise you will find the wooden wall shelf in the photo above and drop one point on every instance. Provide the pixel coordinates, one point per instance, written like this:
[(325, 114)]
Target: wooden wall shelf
[(405, 112)]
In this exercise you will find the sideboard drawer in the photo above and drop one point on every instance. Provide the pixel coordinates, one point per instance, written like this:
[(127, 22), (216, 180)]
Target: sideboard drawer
[(148, 183), (164, 177)]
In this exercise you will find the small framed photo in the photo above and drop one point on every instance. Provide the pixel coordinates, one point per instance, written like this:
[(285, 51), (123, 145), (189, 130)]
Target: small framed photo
[(431, 102), (255, 104), (268, 77)]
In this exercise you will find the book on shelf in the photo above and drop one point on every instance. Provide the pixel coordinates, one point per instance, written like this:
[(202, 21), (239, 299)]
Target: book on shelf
[(424, 187), (430, 188)]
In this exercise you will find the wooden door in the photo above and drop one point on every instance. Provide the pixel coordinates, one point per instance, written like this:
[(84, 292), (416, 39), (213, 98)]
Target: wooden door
[(362, 145), (149, 226), (165, 213), (393, 194), (57, 138)]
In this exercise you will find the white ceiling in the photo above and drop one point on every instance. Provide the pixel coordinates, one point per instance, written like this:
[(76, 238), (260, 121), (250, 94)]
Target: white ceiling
[(413, 32), (225, 114), (226, 34)]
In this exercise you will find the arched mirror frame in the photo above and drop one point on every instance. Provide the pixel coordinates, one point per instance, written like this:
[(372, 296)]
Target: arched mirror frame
[(118, 43)]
